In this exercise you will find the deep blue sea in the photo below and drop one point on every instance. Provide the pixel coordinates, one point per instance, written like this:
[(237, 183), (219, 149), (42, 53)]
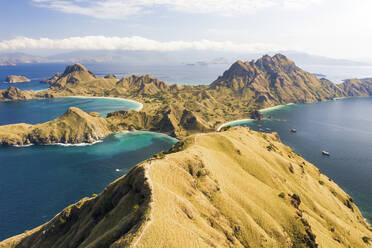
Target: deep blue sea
[(37, 182), (341, 127)]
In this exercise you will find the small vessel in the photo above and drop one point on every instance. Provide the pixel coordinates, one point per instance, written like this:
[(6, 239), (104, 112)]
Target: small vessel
[(293, 130), (325, 153)]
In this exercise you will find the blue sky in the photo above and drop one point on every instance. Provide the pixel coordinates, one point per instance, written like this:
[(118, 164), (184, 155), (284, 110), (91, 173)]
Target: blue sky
[(331, 28)]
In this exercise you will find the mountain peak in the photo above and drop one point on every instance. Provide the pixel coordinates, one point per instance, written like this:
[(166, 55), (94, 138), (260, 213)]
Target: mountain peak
[(74, 68)]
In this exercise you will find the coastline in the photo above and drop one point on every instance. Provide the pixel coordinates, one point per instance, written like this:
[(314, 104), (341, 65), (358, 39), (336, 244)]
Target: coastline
[(97, 141), (248, 120), (275, 107), (140, 105), (233, 122)]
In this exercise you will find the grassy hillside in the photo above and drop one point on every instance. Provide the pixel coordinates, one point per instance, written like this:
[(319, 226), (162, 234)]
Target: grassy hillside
[(236, 188), (75, 126)]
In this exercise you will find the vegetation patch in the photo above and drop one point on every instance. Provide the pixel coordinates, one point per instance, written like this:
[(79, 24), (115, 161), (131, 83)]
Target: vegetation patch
[(366, 239), (282, 195)]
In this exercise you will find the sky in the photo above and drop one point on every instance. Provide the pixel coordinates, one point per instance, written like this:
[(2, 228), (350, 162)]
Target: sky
[(333, 28)]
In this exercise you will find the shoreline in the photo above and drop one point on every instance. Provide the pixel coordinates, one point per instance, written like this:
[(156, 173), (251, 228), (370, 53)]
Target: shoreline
[(275, 107), (139, 108), (247, 120), (233, 122), (97, 141)]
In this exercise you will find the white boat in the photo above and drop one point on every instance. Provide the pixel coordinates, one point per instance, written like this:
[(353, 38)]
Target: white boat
[(326, 153)]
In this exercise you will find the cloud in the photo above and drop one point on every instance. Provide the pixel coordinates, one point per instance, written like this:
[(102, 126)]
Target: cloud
[(121, 9), (134, 43)]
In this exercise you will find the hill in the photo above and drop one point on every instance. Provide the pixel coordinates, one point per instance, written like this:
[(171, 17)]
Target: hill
[(237, 188), (181, 110), (273, 80), (73, 127)]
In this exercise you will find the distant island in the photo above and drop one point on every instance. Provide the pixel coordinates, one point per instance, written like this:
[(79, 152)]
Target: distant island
[(17, 79)]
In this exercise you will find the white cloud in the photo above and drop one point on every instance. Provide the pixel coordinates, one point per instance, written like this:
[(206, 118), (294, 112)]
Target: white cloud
[(134, 43), (121, 9)]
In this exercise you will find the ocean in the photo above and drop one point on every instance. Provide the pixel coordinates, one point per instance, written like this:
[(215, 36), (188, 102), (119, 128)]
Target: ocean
[(341, 127), (37, 182)]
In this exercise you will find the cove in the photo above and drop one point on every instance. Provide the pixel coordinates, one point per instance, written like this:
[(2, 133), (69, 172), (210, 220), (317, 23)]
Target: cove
[(42, 110)]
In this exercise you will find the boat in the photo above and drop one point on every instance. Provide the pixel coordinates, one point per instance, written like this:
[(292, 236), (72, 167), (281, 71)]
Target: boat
[(293, 130), (325, 153)]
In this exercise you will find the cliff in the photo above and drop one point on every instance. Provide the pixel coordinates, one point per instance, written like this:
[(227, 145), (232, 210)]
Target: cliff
[(73, 127), (237, 188), (17, 79)]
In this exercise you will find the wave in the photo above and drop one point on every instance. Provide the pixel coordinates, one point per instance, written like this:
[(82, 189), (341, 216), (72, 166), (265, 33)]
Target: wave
[(28, 145), (78, 144)]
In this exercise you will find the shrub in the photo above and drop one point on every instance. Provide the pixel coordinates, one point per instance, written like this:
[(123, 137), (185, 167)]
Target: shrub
[(321, 182), (62, 220), (282, 195), (159, 155), (366, 239), (135, 208), (225, 128)]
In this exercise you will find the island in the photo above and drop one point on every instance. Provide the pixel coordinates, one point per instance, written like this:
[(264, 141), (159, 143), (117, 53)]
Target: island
[(231, 187), (182, 110), (17, 79)]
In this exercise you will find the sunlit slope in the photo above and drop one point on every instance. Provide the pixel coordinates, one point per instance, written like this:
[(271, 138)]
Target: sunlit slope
[(239, 189), (236, 188), (74, 126)]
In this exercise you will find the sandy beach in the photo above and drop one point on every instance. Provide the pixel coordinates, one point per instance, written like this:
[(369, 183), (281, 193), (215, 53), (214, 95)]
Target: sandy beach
[(232, 122), (140, 107)]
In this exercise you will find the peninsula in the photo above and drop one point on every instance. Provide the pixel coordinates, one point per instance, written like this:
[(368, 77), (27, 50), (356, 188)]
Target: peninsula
[(236, 188)]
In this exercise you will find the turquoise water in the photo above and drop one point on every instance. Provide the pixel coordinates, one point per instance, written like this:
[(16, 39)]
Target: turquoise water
[(37, 111), (37, 182), (343, 128)]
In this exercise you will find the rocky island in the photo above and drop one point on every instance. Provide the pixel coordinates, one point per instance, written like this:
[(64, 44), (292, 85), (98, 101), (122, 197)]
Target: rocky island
[(180, 110), (236, 188), (17, 79)]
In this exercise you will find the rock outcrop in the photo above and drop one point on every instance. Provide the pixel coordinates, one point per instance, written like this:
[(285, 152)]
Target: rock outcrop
[(237, 188), (51, 80), (15, 94), (17, 79)]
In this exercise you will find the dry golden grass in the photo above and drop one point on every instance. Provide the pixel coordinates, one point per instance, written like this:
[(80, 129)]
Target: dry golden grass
[(237, 188), (223, 191), (75, 126)]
